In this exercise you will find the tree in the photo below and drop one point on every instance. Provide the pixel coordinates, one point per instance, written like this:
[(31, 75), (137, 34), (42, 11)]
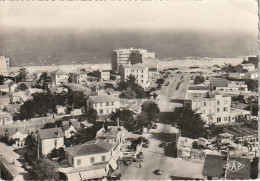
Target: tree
[(199, 80), (22, 73), (239, 98), (22, 86), (141, 122), (128, 94), (191, 124), (44, 80), (124, 116), (215, 130), (252, 85), (229, 68), (44, 169), (151, 109), (91, 115)]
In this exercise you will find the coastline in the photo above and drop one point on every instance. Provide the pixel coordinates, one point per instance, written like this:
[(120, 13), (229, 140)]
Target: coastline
[(200, 62)]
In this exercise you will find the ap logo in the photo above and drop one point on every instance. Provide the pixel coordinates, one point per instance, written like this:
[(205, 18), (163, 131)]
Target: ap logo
[(234, 166)]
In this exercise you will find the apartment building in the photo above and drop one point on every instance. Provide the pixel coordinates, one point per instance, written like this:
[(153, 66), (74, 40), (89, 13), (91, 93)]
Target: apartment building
[(103, 75), (224, 86), (103, 103), (80, 77), (59, 77), (129, 55), (90, 160), (140, 72), (245, 67), (4, 66)]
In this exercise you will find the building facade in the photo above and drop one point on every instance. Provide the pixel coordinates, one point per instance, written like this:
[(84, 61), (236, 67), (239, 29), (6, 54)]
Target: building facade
[(4, 66), (139, 71), (129, 55), (59, 77), (103, 75)]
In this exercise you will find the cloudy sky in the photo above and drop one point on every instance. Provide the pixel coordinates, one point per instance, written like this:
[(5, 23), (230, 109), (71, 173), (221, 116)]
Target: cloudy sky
[(206, 15)]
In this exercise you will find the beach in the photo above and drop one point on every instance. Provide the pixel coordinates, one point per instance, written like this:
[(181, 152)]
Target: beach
[(199, 62)]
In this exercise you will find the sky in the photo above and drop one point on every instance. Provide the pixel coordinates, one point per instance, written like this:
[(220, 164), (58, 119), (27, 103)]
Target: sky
[(209, 15)]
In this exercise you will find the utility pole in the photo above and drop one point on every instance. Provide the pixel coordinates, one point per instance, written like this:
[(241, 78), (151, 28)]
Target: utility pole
[(225, 178)]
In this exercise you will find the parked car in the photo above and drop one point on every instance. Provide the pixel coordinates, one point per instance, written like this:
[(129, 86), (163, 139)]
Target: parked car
[(158, 172)]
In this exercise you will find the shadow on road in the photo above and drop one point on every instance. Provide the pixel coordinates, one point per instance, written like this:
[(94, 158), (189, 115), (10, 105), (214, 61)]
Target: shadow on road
[(166, 137)]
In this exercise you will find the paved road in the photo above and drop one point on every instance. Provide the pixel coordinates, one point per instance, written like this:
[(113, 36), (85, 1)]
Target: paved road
[(154, 158), (176, 90)]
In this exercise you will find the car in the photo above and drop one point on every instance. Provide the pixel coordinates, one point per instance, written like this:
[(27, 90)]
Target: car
[(158, 172)]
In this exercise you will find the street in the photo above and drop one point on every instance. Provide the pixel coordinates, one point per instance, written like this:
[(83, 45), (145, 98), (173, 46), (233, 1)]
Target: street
[(154, 158)]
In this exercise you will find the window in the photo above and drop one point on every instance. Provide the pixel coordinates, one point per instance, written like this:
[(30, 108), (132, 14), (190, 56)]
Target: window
[(218, 120), (225, 118), (217, 102), (92, 159), (142, 71), (100, 111), (142, 76), (225, 101), (95, 104), (205, 103), (107, 103), (217, 109), (55, 142), (103, 158), (225, 109), (78, 161), (89, 103), (142, 81), (112, 103)]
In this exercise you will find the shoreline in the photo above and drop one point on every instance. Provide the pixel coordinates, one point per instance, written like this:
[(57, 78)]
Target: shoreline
[(162, 64)]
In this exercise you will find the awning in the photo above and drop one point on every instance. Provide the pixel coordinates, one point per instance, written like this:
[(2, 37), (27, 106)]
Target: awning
[(91, 174), (113, 164), (74, 176)]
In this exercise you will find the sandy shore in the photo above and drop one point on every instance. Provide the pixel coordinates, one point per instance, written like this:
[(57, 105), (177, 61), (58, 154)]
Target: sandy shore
[(203, 62)]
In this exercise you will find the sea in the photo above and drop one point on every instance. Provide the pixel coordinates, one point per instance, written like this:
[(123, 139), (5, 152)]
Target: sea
[(36, 47)]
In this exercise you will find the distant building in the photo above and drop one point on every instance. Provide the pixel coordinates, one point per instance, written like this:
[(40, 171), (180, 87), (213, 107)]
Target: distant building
[(129, 55), (61, 109), (12, 86), (252, 75), (70, 127), (37, 74), (237, 75), (214, 108), (48, 139), (5, 100), (93, 80), (225, 86), (16, 136), (114, 135), (91, 160), (5, 118), (59, 77), (103, 75), (139, 71), (223, 138), (4, 66), (226, 168), (247, 67), (12, 108), (79, 77), (4, 89), (184, 146), (103, 103)]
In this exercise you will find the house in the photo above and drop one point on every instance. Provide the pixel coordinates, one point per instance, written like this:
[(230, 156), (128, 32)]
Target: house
[(59, 77), (136, 108), (12, 86), (4, 89), (5, 118), (76, 112), (12, 108), (79, 77), (114, 135), (61, 109), (4, 100), (103, 75), (153, 72), (252, 75), (16, 136), (218, 167), (92, 79), (85, 124), (61, 89), (103, 103), (70, 127), (139, 71), (91, 160), (184, 146), (7, 81), (245, 67), (18, 97), (237, 75), (224, 138), (48, 139)]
